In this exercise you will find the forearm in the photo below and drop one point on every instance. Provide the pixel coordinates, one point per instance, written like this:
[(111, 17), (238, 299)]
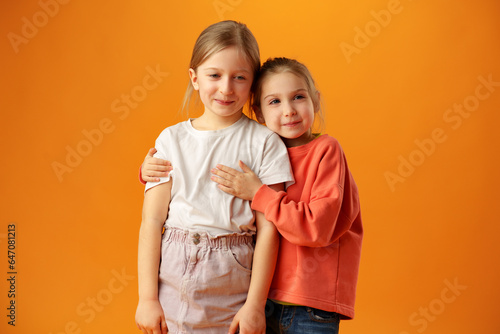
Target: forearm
[(317, 223), (264, 262), (149, 260), (154, 214)]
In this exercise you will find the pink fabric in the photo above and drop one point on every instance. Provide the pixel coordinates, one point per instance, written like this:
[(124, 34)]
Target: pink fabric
[(203, 281)]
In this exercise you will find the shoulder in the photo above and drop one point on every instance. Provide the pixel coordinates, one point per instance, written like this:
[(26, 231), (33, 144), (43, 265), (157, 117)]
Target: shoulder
[(327, 145), (327, 141), (255, 126), (260, 133), (173, 130)]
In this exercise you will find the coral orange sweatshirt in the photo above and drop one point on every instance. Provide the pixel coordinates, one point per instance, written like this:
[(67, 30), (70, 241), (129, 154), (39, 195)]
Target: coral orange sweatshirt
[(320, 225)]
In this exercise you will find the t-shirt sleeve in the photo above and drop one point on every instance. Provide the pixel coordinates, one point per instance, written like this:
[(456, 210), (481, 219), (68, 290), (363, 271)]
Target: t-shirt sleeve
[(161, 146), (275, 167)]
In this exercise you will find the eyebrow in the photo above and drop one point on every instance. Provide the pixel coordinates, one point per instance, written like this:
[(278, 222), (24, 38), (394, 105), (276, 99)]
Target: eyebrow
[(295, 91), (218, 69)]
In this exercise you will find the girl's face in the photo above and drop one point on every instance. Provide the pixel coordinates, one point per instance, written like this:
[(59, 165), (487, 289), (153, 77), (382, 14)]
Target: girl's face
[(223, 82), (287, 108)]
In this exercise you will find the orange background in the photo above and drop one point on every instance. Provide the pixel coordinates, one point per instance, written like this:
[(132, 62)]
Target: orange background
[(388, 83)]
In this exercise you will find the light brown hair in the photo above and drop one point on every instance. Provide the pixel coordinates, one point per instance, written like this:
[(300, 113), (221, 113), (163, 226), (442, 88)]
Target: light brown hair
[(281, 65), (218, 37)]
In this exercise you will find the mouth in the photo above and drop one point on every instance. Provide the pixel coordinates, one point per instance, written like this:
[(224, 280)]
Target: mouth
[(291, 124), (224, 102)]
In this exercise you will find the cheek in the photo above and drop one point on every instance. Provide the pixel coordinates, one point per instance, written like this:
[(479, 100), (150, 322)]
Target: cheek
[(272, 120), (244, 90), (308, 113)]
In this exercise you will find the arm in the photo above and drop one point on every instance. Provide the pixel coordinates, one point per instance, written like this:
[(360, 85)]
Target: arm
[(251, 317), (317, 223), (153, 168), (149, 315), (330, 207)]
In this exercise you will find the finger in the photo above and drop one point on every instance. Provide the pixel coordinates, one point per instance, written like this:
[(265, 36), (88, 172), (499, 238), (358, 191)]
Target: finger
[(244, 167), (221, 181), (150, 179), (158, 161), (159, 174), (227, 190), (160, 168), (233, 327), (155, 176), (151, 152), (156, 329), (227, 169), (164, 328), (222, 174)]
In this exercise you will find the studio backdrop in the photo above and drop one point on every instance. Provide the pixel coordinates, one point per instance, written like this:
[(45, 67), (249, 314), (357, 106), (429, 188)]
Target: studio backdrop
[(411, 89)]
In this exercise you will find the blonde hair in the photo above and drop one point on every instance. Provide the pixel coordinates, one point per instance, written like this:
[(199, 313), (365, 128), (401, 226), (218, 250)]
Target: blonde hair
[(218, 37), (280, 65)]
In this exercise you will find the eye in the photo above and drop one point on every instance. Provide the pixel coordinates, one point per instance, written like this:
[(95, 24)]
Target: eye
[(214, 76), (299, 97), (240, 77), (274, 101)]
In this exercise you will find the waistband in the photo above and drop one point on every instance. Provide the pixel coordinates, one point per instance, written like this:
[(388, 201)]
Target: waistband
[(203, 239)]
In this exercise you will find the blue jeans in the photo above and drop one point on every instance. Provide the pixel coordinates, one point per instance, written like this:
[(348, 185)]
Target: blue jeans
[(299, 319)]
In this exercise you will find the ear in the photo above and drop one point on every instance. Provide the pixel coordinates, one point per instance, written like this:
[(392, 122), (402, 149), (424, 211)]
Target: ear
[(258, 114), (194, 78), (317, 107)]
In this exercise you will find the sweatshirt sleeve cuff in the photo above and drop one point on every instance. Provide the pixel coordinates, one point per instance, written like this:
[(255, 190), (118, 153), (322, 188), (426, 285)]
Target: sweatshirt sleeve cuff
[(262, 197), (140, 176)]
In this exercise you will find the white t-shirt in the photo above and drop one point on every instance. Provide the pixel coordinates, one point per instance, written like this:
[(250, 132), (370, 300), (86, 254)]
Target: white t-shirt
[(196, 202)]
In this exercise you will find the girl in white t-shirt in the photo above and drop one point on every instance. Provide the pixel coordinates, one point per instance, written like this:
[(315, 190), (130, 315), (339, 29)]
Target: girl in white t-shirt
[(204, 273)]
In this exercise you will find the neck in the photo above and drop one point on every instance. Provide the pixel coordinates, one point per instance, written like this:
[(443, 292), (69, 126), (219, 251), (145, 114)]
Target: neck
[(305, 138), (210, 122)]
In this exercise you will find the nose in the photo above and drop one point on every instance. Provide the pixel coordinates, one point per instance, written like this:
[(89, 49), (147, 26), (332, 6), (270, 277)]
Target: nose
[(288, 110), (226, 86)]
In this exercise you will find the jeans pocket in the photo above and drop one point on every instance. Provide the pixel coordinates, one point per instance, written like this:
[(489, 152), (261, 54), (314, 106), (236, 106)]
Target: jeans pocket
[(242, 256), (323, 316)]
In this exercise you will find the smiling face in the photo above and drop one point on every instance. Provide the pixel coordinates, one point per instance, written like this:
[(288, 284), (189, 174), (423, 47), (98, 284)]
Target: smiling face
[(287, 108), (223, 82)]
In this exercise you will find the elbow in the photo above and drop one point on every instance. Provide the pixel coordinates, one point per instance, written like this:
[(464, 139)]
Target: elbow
[(151, 226), (313, 241), (319, 242), (270, 232)]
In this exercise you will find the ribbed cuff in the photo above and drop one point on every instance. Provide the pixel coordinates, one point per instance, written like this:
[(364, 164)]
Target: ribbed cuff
[(140, 176), (262, 197)]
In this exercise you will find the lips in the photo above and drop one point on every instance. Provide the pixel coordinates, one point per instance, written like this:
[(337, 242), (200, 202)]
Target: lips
[(224, 102), (291, 124)]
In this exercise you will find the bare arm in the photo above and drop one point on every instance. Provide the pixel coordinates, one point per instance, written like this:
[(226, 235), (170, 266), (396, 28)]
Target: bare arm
[(251, 317), (149, 315), (153, 168)]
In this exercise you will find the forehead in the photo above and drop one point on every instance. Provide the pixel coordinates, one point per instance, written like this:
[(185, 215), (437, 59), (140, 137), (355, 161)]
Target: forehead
[(282, 83), (231, 58)]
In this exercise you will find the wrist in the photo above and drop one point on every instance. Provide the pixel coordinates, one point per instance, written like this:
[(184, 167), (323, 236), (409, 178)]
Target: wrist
[(261, 198), (148, 299), (255, 190), (256, 302)]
